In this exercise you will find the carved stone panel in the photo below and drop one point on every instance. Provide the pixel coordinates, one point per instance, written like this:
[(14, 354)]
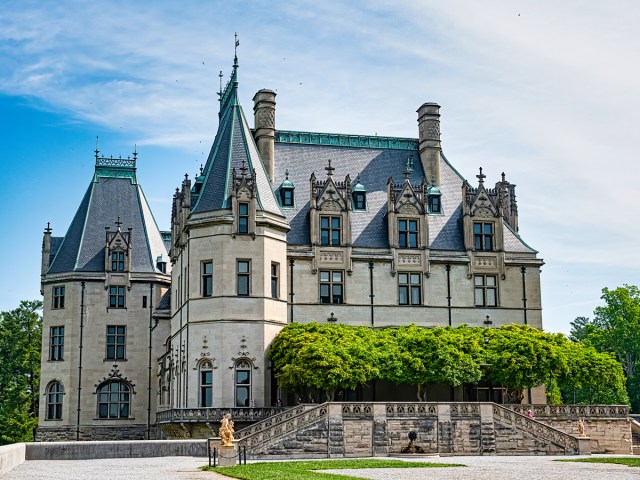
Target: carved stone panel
[(408, 209), (409, 259), (330, 206), (331, 256), (485, 262)]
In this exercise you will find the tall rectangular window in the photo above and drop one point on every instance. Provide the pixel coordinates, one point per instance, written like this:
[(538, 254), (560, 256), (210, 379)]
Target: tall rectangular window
[(116, 342), (408, 233), (331, 286), (206, 385), (483, 236), (409, 289), (117, 261), (116, 297), (486, 290), (330, 230), (275, 280), (58, 297), (243, 268), (243, 218), (56, 344), (207, 278)]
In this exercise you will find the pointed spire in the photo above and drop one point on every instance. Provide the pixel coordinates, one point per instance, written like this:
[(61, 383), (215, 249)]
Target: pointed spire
[(235, 52)]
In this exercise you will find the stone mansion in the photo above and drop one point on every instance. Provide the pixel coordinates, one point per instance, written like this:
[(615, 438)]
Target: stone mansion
[(145, 328)]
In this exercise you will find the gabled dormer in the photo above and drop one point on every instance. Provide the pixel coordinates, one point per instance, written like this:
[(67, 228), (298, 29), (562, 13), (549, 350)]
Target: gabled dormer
[(118, 249), (330, 207), (358, 196), (287, 192), (406, 205), (243, 201)]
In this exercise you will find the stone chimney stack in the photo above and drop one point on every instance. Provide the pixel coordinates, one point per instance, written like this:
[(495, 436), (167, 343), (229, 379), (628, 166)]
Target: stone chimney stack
[(264, 110), (46, 250), (429, 137)]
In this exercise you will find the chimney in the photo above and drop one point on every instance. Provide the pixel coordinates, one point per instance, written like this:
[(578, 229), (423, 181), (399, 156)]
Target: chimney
[(46, 250), (429, 137), (264, 110)]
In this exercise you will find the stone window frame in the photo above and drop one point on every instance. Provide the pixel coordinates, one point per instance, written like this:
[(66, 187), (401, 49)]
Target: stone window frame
[(206, 278), (241, 275), (118, 260), (105, 398), (359, 201), (275, 280), (481, 237), (117, 296), (54, 400), (407, 233), (481, 287), (410, 286), (331, 283), (243, 365), (331, 230), (205, 388), (56, 343), (116, 342), (57, 297), (243, 218)]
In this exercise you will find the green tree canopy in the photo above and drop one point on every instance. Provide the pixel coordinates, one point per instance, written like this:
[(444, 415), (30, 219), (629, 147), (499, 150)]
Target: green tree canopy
[(20, 341)]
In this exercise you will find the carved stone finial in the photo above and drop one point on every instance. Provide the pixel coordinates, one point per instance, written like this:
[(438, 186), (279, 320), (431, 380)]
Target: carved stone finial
[(118, 222), (503, 176), (286, 174), (329, 169), (48, 229), (243, 168), (481, 177)]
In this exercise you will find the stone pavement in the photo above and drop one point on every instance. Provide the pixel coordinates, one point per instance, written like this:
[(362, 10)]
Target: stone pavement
[(179, 468)]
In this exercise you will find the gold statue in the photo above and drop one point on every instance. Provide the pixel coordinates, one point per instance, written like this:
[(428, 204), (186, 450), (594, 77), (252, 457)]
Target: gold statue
[(226, 431), (581, 428)]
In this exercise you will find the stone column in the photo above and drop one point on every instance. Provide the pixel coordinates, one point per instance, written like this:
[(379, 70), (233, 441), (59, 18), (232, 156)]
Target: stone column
[(380, 440), (445, 429), (264, 111), (335, 437)]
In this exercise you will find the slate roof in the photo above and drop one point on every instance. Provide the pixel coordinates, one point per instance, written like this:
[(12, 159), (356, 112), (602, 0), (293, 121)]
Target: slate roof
[(113, 193), (375, 166), (233, 147)]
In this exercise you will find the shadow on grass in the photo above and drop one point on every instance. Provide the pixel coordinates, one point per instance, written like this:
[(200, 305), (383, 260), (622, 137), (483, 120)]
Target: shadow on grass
[(305, 470)]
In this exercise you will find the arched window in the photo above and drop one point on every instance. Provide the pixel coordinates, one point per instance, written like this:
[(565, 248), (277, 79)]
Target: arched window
[(54, 394), (243, 383), (114, 399), (205, 375)]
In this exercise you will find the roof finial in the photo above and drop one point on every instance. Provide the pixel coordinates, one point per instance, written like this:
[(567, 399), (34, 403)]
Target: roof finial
[(481, 177), (96, 150), (48, 229), (201, 169), (235, 52), (329, 169), (409, 163), (118, 222), (135, 151), (286, 174), (243, 168), (220, 92), (503, 177)]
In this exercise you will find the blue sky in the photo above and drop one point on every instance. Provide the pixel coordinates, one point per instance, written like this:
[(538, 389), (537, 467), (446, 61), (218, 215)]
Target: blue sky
[(547, 91)]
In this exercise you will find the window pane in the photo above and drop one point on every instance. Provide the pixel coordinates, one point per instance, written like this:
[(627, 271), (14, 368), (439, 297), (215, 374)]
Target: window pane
[(207, 267), (479, 297), (335, 237), (324, 293), (491, 281), (242, 396), (242, 377), (102, 410), (404, 295), (243, 285), (477, 228), (324, 237), (243, 208), (491, 297), (324, 222), (324, 276), (488, 243), (335, 222), (415, 296), (124, 410), (337, 276), (243, 267), (415, 278), (488, 228), (478, 280), (402, 225), (413, 225), (403, 278), (403, 240)]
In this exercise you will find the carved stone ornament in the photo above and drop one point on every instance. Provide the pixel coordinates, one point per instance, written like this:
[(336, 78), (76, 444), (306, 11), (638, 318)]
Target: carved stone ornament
[(409, 259), (483, 212), (485, 262), (330, 206), (266, 116), (408, 208), (331, 257)]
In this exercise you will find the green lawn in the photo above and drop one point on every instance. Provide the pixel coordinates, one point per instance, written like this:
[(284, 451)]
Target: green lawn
[(303, 470), (630, 462)]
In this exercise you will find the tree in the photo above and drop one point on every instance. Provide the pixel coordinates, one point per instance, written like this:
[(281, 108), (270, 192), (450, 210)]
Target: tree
[(20, 343), (520, 357), (324, 357)]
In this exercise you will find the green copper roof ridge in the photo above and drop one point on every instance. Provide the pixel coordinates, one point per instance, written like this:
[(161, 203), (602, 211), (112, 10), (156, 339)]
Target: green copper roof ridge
[(346, 140), (229, 160)]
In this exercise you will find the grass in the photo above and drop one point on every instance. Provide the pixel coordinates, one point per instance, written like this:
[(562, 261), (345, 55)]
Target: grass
[(304, 470), (629, 462)]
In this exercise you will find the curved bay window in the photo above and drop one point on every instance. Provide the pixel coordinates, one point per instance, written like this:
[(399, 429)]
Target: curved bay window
[(54, 394), (243, 383), (205, 378), (114, 398)]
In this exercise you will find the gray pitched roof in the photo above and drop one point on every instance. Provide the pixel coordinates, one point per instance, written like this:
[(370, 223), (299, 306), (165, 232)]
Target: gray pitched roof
[(233, 147), (302, 154), (114, 192)]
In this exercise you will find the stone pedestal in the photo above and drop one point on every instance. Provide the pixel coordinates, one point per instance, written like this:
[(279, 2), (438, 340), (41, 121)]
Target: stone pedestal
[(227, 456), (584, 446)]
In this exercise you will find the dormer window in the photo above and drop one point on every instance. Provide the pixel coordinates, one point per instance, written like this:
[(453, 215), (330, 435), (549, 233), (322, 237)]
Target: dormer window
[(117, 261), (433, 195), (286, 192), (243, 218), (408, 233), (359, 195), (330, 231)]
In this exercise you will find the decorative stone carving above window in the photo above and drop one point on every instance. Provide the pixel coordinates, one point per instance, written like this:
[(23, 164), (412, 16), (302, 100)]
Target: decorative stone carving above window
[(408, 259)]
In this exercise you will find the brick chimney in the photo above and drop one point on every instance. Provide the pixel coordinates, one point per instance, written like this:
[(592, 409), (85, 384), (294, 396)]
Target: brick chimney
[(264, 110), (429, 137)]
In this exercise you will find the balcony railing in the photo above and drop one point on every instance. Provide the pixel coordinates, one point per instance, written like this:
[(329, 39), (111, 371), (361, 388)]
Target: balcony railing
[(238, 414)]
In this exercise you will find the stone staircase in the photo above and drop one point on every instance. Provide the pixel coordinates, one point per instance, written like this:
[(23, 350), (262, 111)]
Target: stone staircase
[(348, 429)]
